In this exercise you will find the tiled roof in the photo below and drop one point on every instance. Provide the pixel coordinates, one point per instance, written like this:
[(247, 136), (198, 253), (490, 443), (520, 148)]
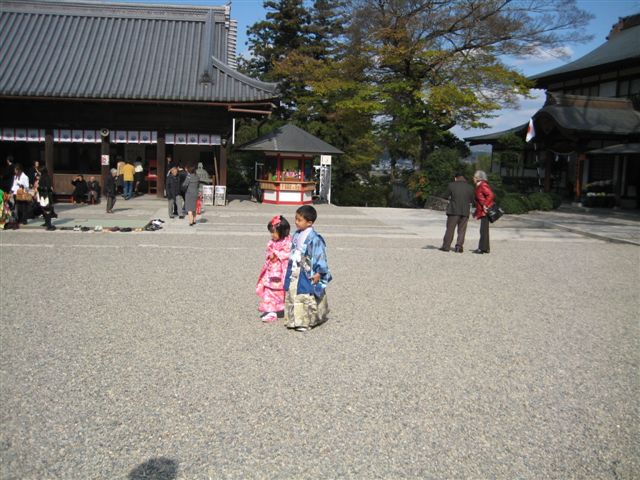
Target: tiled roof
[(594, 120), (91, 50), (620, 149), (592, 114), (580, 114), (623, 46), (290, 139), (520, 130)]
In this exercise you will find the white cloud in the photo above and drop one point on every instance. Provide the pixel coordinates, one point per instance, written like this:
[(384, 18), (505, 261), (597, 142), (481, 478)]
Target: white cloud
[(544, 55), (507, 118), (542, 59)]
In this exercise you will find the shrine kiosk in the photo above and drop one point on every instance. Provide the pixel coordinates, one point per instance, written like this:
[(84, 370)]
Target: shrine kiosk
[(287, 175)]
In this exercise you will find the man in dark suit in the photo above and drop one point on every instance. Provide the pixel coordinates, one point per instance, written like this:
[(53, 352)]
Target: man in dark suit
[(460, 195)]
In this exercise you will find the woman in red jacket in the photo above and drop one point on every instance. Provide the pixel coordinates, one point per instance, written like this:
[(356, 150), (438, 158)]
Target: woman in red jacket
[(484, 199)]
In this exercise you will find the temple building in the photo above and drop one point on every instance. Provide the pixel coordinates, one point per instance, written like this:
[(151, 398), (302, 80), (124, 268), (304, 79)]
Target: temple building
[(84, 85), (587, 134)]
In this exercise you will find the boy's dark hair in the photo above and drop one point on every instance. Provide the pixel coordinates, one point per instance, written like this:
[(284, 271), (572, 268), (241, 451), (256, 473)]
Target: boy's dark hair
[(279, 224), (308, 213)]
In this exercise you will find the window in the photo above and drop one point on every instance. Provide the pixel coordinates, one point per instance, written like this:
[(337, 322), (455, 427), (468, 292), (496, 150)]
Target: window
[(623, 88), (608, 89)]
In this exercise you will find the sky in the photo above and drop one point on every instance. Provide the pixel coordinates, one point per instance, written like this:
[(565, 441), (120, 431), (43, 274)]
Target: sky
[(606, 14)]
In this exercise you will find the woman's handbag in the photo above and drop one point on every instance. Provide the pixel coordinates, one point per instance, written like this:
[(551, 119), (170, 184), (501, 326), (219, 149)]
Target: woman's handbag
[(494, 212), (23, 196), (43, 200)]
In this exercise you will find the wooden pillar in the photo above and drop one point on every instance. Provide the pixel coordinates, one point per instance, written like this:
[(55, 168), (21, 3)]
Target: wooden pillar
[(223, 165), (547, 171), (104, 169), (48, 152), (161, 161), (580, 159), (617, 178)]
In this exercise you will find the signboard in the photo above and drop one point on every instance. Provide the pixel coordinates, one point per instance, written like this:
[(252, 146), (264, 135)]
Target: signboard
[(220, 195), (325, 159), (104, 160), (207, 194)]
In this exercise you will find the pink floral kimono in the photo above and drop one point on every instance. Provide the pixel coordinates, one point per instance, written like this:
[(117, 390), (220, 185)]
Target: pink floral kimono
[(270, 287)]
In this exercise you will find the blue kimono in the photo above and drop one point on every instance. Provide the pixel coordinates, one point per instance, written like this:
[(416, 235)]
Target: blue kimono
[(305, 302)]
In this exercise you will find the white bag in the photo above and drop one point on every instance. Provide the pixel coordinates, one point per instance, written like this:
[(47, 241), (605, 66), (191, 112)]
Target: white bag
[(43, 201)]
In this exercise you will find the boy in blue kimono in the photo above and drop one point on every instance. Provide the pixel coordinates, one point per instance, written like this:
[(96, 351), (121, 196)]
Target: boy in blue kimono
[(307, 275)]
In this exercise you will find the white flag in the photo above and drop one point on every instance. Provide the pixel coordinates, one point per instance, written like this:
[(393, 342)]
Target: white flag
[(531, 131)]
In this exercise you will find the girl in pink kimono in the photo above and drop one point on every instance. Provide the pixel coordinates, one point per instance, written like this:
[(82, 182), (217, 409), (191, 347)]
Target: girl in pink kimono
[(270, 285)]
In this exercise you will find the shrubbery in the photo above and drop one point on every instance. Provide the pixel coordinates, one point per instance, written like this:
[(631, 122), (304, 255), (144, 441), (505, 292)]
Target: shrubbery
[(541, 201), (514, 203), (359, 194), (237, 183), (556, 199)]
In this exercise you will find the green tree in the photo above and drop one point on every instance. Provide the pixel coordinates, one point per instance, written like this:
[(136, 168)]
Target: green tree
[(337, 103), (285, 30), (441, 166), (483, 162), (509, 149), (439, 63)]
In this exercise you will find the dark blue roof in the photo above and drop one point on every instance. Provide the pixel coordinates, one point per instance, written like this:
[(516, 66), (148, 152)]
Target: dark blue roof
[(91, 50), (290, 139), (622, 47)]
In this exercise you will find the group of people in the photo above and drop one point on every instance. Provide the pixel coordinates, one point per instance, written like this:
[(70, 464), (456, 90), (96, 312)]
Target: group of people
[(461, 196), (85, 192), (129, 177), (182, 190), (293, 280), (125, 180), (27, 196)]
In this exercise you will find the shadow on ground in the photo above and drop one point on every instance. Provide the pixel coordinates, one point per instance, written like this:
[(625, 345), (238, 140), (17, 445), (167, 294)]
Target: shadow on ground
[(159, 468)]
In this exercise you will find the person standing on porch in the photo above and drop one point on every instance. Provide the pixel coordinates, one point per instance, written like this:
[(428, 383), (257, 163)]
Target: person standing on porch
[(20, 181), (110, 190), (138, 176), (460, 195), (190, 187), (45, 194), (128, 173), (174, 199), (7, 174), (35, 172)]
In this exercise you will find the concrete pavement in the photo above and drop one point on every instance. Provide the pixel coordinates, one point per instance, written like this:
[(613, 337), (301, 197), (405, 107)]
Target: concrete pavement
[(141, 355), (608, 225)]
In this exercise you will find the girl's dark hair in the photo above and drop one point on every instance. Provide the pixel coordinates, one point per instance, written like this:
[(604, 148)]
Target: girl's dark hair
[(279, 224)]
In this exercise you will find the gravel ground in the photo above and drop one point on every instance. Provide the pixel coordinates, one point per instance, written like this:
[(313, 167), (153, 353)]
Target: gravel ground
[(141, 356)]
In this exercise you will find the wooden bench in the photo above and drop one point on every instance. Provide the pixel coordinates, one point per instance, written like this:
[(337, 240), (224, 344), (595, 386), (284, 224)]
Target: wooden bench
[(62, 187)]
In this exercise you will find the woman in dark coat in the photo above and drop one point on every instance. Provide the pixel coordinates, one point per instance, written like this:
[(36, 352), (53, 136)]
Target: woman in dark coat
[(81, 190), (45, 195), (192, 182), (110, 189)]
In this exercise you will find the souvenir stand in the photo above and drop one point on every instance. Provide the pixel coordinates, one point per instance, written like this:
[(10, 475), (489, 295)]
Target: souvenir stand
[(287, 175)]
